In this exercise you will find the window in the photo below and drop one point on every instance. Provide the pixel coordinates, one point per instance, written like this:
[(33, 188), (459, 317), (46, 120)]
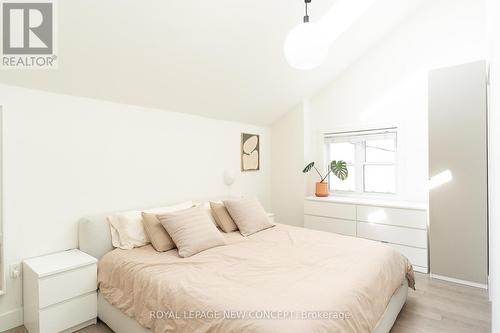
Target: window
[(370, 157)]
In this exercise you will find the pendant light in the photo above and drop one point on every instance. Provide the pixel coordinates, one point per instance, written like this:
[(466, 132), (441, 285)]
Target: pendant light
[(305, 46)]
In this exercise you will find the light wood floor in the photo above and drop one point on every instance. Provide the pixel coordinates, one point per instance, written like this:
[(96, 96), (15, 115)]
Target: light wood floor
[(440, 306), (436, 306)]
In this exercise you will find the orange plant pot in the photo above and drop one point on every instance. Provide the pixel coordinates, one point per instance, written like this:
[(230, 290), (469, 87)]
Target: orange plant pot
[(322, 189)]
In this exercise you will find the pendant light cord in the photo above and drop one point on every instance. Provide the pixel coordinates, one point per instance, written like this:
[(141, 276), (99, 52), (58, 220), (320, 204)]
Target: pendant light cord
[(306, 17)]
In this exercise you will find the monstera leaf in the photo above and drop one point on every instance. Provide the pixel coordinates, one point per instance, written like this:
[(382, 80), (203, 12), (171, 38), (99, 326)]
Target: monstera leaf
[(339, 169), (308, 167), (311, 166)]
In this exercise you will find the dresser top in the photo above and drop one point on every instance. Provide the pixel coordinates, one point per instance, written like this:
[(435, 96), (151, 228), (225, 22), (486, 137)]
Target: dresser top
[(59, 262), (379, 202)]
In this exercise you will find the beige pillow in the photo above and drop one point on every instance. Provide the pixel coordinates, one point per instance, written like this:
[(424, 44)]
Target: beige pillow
[(222, 217), (249, 215), (206, 206), (160, 240), (192, 230), (158, 236)]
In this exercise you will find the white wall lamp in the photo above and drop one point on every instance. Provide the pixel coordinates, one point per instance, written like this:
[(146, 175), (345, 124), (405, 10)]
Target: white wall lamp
[(229, 177)]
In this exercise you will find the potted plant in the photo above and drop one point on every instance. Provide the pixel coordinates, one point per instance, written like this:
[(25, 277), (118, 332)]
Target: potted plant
[(338, 168)]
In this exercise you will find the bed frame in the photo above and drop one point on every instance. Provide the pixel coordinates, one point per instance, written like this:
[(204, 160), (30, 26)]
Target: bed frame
[(94, 238)]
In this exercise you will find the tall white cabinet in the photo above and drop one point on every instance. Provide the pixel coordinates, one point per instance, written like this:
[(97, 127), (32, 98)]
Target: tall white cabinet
[(401, 225), (458, 207)]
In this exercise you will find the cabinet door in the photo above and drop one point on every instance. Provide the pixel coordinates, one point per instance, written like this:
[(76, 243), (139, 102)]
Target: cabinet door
[(457, 156)]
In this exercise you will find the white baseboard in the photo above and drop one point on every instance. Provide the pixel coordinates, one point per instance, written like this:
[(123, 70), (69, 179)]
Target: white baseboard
[(11, 319), (464, 282)]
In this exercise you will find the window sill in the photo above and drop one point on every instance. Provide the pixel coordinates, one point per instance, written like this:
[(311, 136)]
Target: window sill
[(372, 202)]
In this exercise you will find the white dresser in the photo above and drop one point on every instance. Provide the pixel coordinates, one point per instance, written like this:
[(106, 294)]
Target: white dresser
[(402, 225), (60, 292)]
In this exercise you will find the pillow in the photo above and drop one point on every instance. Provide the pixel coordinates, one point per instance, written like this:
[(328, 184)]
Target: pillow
[(127, 230), (249, 215), (222, 217), (159, 237), (192, 230), (206, 206)]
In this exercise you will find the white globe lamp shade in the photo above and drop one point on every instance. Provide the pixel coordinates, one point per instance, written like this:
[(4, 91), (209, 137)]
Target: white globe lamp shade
[(305, 47)]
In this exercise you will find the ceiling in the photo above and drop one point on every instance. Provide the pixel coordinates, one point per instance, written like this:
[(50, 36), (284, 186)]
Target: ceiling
[(221, 59)]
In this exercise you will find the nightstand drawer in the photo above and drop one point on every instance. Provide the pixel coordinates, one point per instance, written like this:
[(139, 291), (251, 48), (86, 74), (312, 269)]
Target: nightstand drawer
[(63, 286), (68, 314)]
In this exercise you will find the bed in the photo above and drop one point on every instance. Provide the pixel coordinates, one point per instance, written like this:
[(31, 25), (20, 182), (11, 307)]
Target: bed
[(283, 279)]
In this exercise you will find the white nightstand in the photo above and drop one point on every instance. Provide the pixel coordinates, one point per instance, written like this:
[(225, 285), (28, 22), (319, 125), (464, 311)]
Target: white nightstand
[(60, 292)]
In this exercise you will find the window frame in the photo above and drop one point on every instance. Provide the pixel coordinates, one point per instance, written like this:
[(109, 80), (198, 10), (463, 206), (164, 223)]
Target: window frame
[(360, 162)]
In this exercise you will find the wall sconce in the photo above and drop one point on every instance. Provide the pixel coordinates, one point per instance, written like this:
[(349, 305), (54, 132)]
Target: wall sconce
[(229, 177)]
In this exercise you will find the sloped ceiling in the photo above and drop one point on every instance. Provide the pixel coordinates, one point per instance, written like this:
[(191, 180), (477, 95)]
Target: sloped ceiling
[(221, 59)]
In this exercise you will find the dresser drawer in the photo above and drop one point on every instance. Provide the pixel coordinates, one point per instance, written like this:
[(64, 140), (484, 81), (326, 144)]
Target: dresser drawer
[(416, 256), (330, 209), (392, 216), (421, 269), (60, 317), (55, 288), (391, 234), (338, 226)]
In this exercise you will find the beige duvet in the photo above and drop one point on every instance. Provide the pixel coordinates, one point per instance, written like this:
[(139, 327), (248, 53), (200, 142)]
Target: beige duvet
[(282, 279)]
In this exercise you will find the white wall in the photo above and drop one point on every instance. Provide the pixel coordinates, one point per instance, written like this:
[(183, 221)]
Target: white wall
[(287, 162), (494, 160), (65, 157), (388, 85)]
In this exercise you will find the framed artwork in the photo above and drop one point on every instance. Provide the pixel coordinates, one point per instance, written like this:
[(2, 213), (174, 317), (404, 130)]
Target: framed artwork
[(250, 152)]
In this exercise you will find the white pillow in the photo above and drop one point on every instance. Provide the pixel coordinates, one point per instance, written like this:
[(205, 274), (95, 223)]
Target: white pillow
[(127, 228)]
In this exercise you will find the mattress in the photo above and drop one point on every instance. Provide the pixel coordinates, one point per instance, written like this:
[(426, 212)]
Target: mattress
[(283, 279)]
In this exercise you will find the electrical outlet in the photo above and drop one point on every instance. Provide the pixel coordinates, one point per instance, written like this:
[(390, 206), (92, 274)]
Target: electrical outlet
[(15, 271)]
